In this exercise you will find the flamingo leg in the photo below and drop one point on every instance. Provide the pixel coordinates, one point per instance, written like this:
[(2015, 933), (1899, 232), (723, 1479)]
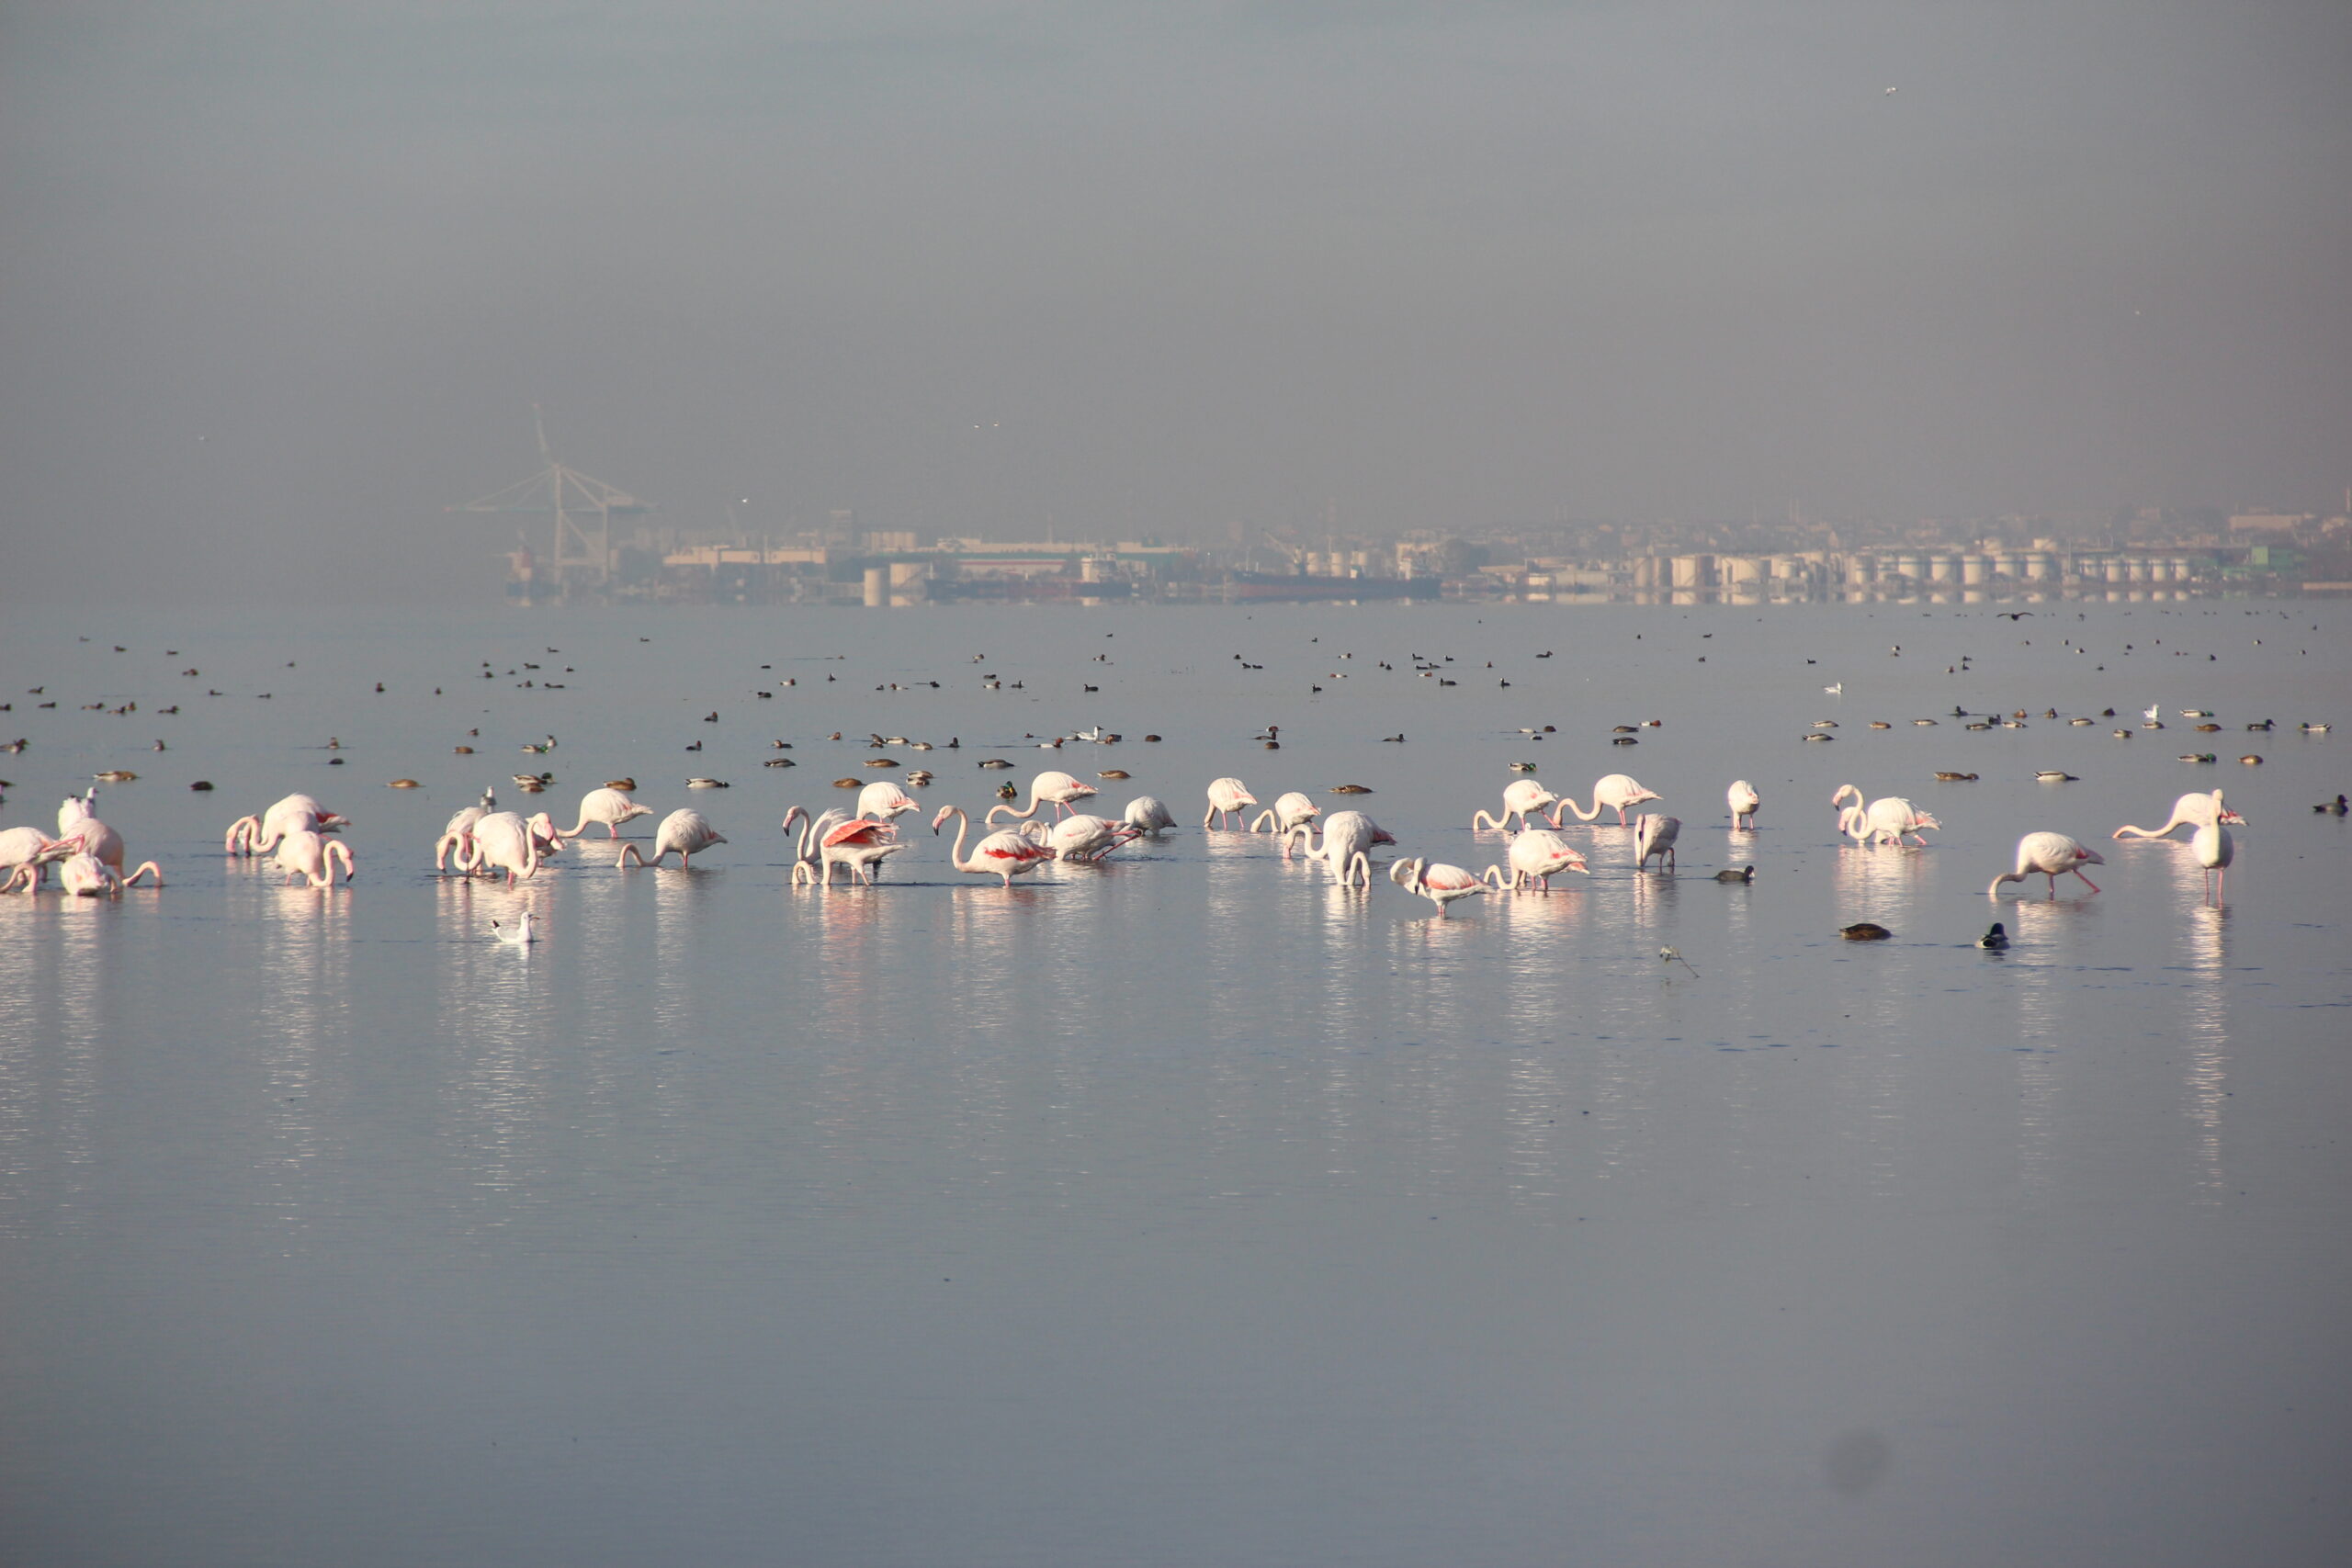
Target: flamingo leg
[(2086, 881)]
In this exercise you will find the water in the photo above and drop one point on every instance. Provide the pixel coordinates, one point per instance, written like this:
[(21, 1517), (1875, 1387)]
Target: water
[(1186, 1210)]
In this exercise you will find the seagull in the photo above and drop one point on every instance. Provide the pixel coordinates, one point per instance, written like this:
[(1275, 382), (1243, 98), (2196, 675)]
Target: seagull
[(517, 935), (1836, 691)]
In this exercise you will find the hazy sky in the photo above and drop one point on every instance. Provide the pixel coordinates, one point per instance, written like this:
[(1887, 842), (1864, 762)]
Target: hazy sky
[(278, 281)]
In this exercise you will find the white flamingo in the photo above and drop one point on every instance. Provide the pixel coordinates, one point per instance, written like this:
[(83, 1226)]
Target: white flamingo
[(458, 834), (1441, 885), (1081, 837), (1743, 800), (609, 805), (1289, 810), (26, 852), (883, 800), (2214, 850), (684, 830), (1226, 797), (1348, 840), (2052, 855), (1887, 819), (503, 841), (1003, 853), (84, 876), (1522, 798), (807, 861), (2195, 810), (259, 835), (1656, 836), (1059, 788), (1612, 790), (1537, 855), (306, 854), (1148, 816), (857, 846)]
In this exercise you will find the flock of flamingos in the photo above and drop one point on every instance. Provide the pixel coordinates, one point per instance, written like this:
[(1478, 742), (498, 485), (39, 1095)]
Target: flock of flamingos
[(297, 834)]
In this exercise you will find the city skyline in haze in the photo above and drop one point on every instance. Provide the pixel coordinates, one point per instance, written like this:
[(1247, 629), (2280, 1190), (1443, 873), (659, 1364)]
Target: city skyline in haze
[(282, 282)]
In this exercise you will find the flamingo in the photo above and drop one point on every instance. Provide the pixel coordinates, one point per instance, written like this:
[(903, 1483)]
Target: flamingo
[(683, 830), (1441, 885), (24, 852), (1656, 836), (1059, 788), (99, 840), (458, 834), (1537, 855), (2214, 850), (1003, 853), (1522, 798), (857, 846), (1151, 818), (1226, 797), (1347, 839), (1618, 790), (609, 805), (503, 841), (1288, 811), (807, 859), (76, 808), (883, 800), (2052, 855), (1081, 837), (259, 835), (1743, 800), (2194, 809), (1889, 818), (84, 876), (306, 854)]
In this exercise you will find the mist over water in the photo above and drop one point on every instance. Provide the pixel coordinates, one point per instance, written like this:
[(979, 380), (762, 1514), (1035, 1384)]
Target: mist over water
[(1187, 1209)]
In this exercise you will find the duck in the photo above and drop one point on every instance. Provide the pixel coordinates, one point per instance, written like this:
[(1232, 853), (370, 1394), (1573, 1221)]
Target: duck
[(1956, 778), (700, 783), (621, 783), (2056, 776), (1864, 932), (2251, 759), (1995, 941), (404, 784), (1350, 789), (1747, 873), (2336, 807), (2197, 756)]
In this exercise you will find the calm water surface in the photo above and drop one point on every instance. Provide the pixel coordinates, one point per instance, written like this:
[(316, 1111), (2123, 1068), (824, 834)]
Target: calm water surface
[(1186, 1210)]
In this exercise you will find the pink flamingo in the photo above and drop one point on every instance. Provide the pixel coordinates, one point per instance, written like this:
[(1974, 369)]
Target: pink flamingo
[(305, 853), (684, 830), (612, 807), (1059, 788), (2195, 810), (1441, 885), (1003, 853), (1618, 790), (1226, 797), (503, 841), (1522, 798), (1743, 800), (2052, 855), (857, 846), (1656, 836), (2214, 850), (1537, 855)]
